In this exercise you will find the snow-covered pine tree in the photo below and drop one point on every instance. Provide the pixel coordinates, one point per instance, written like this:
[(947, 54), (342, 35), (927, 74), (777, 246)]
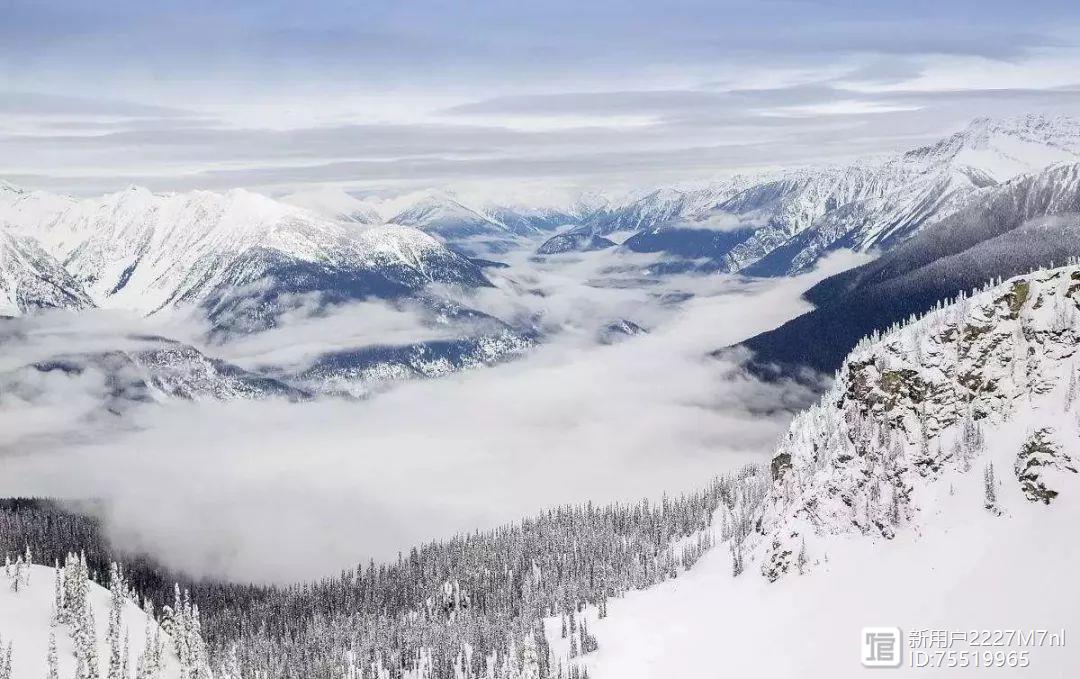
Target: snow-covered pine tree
[(116, 608), (59, 612), (52, 669), (530, 661), (6, 654), (15, 578), (990, 490)]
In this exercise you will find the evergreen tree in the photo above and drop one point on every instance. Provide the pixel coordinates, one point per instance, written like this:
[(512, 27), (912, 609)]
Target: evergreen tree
[(51, 660), (990, 489)]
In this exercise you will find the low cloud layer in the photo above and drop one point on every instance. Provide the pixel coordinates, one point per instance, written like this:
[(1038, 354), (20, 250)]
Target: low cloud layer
[(279, 491)]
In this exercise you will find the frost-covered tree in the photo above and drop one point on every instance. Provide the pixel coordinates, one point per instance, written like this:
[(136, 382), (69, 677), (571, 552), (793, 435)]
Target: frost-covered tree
[(736, 561), (118, 596), (530, 661), (990, 489), (6, 654), (52, 669), (395, 618)]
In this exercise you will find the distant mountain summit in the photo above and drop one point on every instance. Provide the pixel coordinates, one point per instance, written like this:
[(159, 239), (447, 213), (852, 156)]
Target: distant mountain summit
[(784, 223), (1001, 149)]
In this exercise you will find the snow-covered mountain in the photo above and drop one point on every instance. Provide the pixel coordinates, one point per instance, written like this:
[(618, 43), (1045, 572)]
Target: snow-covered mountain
[(30, 277), (1030, 221), (239, 258), (361, 371), (784, 223), (479, 229), (574, 242), (147, 252), (935, 486), (602, 215), (663, 206), (156, 369)]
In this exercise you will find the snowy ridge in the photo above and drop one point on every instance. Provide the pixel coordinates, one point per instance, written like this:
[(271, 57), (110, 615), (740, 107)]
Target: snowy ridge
[(143, 251), (156, 370), (782, 224), (920, 402)]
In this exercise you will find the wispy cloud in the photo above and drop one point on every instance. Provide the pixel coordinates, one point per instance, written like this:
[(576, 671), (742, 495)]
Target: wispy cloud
[(420, 93)]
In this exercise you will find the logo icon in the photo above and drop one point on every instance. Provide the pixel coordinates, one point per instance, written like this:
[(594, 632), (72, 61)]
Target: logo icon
[(881, 647)]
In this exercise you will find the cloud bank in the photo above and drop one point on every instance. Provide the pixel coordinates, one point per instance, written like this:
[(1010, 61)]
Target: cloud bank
[(273, 490)]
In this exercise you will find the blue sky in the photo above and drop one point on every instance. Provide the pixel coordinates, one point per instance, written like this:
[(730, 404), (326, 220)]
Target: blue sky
[(384, 96)]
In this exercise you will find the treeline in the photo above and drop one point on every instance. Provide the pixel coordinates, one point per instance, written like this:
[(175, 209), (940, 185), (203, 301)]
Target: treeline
[(469, 606)]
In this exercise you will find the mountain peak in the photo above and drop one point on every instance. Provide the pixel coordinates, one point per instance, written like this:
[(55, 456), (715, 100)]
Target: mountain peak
[(1003, 148)]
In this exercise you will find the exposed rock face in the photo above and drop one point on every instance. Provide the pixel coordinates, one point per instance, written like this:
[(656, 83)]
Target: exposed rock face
[(1038, 455), (915, 403)]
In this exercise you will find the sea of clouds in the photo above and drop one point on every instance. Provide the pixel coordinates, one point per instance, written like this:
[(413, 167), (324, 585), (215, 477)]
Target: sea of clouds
[(273, 490)]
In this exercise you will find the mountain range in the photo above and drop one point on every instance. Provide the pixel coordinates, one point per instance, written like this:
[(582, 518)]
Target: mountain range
[(992, 200), (784, 224), (239, 261), (765, 224)]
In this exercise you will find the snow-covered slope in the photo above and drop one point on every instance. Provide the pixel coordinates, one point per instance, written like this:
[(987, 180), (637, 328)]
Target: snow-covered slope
[(908, 407), (934, 486), (31, 279), (25, 623)]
